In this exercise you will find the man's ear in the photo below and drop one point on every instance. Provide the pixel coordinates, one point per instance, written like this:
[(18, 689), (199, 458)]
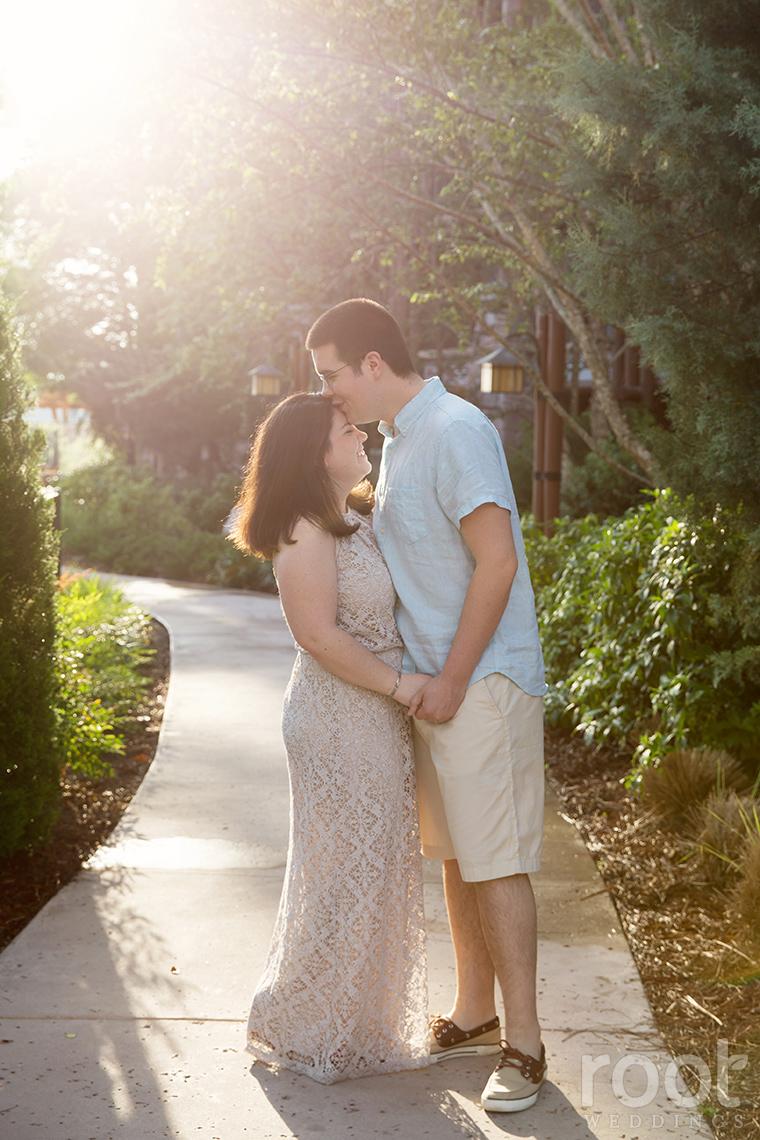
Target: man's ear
[(374, 361)]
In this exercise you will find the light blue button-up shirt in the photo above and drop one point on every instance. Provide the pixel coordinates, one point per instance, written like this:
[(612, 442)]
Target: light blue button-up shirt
[(444, 459)]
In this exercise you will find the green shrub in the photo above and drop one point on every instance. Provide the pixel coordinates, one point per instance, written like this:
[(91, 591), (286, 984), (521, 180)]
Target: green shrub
[(102, 642), (594, 487), (207, 505), (647, 642), (591, 486), (29, 759), (236, 570), (125, 520)]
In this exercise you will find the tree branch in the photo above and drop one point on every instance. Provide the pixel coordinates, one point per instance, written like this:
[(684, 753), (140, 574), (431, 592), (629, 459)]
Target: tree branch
[(593, 23), (461, 301), (576, 25), (618, 30)]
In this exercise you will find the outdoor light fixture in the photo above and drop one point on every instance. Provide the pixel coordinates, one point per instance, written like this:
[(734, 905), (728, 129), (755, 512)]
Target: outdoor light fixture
[(500, 371), (266, 380)]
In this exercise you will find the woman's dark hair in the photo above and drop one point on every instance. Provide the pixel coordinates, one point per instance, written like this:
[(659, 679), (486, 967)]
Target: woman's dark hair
[(357, 327), (286, 478)]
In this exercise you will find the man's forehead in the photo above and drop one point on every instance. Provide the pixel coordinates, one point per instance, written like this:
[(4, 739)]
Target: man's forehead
[(324, 357)]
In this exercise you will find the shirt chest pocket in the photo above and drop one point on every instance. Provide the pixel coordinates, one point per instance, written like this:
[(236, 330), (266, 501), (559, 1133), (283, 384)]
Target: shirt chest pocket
[(406, 512)]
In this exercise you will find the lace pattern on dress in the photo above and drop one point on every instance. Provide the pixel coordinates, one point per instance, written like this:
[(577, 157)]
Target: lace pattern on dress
[(344, 990)]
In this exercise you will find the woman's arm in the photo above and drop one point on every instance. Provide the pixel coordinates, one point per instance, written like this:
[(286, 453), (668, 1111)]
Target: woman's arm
[(308, 581)]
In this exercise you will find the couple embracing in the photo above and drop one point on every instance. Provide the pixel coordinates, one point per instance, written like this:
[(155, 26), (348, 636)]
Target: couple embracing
[(412, 720)]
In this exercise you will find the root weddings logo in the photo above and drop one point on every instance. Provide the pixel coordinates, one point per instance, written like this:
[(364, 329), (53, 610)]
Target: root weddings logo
[(687, 1081)]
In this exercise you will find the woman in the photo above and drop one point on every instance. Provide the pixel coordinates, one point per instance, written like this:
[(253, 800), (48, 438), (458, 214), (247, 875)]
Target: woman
[(344, 990)]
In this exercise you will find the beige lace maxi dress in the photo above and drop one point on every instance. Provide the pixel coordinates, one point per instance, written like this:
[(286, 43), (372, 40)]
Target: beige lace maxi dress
[(344, 989)]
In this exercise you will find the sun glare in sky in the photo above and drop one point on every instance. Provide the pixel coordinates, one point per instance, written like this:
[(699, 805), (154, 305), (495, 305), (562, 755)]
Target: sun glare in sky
[(64, 64)]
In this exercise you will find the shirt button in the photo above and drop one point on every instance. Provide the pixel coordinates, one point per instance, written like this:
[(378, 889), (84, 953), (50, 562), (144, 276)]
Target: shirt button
[(382, 530)]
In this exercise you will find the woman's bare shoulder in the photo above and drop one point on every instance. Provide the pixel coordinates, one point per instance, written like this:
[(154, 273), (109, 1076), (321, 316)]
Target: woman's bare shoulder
[(308, 539)]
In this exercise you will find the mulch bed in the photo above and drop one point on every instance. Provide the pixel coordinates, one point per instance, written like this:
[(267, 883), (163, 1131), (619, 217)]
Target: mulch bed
[(90, 809), (702, 979), (701, 974)]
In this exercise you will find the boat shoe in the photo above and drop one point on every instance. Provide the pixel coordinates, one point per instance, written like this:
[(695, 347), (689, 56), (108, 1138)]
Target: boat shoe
[(448, 1040), (515, 1082)]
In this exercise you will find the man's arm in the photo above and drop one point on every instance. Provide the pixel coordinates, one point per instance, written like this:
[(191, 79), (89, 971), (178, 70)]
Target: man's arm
[(487, 532)]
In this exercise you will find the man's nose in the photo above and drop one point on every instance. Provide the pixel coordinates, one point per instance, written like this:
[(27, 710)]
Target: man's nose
[(326, 389)]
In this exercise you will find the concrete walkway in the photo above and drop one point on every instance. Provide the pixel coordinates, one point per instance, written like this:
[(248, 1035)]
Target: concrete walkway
[(124, 1001)]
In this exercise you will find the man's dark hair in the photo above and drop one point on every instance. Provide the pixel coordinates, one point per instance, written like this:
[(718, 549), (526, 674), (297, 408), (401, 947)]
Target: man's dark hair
[(357, 327)]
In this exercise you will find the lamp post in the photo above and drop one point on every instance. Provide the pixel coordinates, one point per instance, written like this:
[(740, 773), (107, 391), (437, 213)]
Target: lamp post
[(266, 380), (500, 371)]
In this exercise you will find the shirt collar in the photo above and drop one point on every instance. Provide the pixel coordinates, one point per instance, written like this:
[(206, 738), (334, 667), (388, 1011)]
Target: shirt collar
[(412, 410)]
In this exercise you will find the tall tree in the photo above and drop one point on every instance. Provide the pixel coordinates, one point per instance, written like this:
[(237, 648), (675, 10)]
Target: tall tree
[(667, 153)]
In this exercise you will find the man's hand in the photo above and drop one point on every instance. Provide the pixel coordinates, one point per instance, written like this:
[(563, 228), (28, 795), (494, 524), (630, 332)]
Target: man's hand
[(438, 700), (410, 684)]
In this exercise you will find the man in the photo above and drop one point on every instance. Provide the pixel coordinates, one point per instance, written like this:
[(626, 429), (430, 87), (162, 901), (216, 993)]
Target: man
[(446, 522)]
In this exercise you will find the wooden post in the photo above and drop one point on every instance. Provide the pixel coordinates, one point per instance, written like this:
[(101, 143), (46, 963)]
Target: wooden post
[(539, 416), (300, 361), (553, 426), (632, 358), (648, 383), (618, 362)]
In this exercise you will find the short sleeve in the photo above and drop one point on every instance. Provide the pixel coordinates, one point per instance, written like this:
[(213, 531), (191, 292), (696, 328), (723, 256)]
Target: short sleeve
[(472, 470)]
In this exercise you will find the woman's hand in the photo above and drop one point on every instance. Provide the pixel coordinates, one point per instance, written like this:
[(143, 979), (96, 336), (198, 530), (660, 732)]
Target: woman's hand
[(410, 684)]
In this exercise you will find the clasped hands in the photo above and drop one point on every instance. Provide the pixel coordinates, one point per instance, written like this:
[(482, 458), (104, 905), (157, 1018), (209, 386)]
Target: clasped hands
[(430, 698)]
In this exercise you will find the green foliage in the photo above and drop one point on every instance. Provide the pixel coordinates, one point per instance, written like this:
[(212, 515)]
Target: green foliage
[(452, 160), (125, 520), (644, 640), (240, 571), (593, 487), (590, 486), (102, 643), (667, 246), (29, 757)]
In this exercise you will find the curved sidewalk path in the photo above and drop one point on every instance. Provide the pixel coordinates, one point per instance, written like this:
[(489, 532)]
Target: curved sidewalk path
[(124, 1001)]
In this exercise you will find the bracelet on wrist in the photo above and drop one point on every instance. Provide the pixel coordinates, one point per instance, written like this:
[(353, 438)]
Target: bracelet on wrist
[(392, 693)]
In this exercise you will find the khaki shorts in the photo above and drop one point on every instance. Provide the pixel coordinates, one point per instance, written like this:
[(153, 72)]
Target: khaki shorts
[(480, 781)]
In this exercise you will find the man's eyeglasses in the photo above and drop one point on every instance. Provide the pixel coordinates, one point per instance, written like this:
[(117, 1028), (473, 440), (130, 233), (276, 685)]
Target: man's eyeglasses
[(328, 377)]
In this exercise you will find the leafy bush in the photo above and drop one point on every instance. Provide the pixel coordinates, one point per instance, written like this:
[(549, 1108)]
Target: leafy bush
[(591, 486), (29, 760), (237, 570), (207, 505), (647, 639), (122, 519), (102, 642), (125, 520)]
